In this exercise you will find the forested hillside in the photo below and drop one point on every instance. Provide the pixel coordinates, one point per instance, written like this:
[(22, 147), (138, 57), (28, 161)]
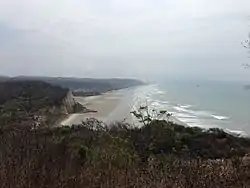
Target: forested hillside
[(86, 84), (23, 101)]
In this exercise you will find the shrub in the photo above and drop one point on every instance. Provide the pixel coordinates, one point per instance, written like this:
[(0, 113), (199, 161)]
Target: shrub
[(160, 154)]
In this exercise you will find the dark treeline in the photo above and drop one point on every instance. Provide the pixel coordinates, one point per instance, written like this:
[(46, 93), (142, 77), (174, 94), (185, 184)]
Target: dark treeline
[(20, 101), (86, 84)]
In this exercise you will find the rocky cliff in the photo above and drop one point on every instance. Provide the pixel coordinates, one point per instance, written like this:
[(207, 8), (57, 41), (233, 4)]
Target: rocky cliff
[(68, 104)]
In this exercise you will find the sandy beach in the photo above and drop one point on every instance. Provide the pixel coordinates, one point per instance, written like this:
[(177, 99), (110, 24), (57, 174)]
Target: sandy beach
[(110, 107)]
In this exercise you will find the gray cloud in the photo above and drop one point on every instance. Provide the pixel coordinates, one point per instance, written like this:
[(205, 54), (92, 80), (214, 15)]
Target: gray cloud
[(125, 38)]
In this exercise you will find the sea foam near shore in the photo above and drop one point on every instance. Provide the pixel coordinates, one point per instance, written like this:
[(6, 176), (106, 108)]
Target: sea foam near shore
[(117, 105), (156, 98)]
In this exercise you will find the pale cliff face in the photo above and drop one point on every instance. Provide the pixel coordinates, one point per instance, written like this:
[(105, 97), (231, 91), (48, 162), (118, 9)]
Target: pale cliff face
[(68, 103)]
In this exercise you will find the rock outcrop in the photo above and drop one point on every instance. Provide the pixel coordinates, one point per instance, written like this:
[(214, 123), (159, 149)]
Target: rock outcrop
[(68, 104)]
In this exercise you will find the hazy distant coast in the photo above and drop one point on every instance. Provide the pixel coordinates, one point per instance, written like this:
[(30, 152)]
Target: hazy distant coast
[(88, 85), (103, 97)]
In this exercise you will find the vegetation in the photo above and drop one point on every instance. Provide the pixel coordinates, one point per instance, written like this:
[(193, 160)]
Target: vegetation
[(147, 116), (27, 101), (160, 154)]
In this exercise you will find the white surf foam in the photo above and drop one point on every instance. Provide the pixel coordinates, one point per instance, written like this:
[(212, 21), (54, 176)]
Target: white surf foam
[(180, 109), (159, 92), (183, 115), (201, 113), (164, 102), (156, 104), (192, 122), (149, 95), (185, 106), (220, 117)]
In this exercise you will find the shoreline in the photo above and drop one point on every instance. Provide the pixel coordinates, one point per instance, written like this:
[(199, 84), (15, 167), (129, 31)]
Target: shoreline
[(106, 106), (112, 106), (115, 106)]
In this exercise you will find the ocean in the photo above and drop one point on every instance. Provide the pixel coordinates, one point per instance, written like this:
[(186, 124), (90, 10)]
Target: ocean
[(206, 104)]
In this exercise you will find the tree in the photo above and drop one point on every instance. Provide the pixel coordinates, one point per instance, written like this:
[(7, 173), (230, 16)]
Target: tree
[(146, 116)]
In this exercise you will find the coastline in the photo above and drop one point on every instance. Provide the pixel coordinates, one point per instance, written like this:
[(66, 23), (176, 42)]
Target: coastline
[(110, 107), (115, 106)]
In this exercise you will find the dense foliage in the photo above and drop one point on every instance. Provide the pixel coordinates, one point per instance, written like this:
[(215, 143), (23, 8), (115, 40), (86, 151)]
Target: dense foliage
[(38, 91), (160, 154), (21, 100)]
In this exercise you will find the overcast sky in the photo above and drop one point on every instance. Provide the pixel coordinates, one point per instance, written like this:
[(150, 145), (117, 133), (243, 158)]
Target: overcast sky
[(125, 38)]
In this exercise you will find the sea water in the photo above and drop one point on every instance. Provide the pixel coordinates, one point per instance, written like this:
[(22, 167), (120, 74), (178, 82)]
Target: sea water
[(206, 104)]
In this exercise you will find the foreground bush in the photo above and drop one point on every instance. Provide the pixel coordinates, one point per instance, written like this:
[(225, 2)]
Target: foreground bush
[(160, 154)]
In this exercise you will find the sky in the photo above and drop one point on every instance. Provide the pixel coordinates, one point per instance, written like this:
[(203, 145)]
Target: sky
[(125, 38)]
